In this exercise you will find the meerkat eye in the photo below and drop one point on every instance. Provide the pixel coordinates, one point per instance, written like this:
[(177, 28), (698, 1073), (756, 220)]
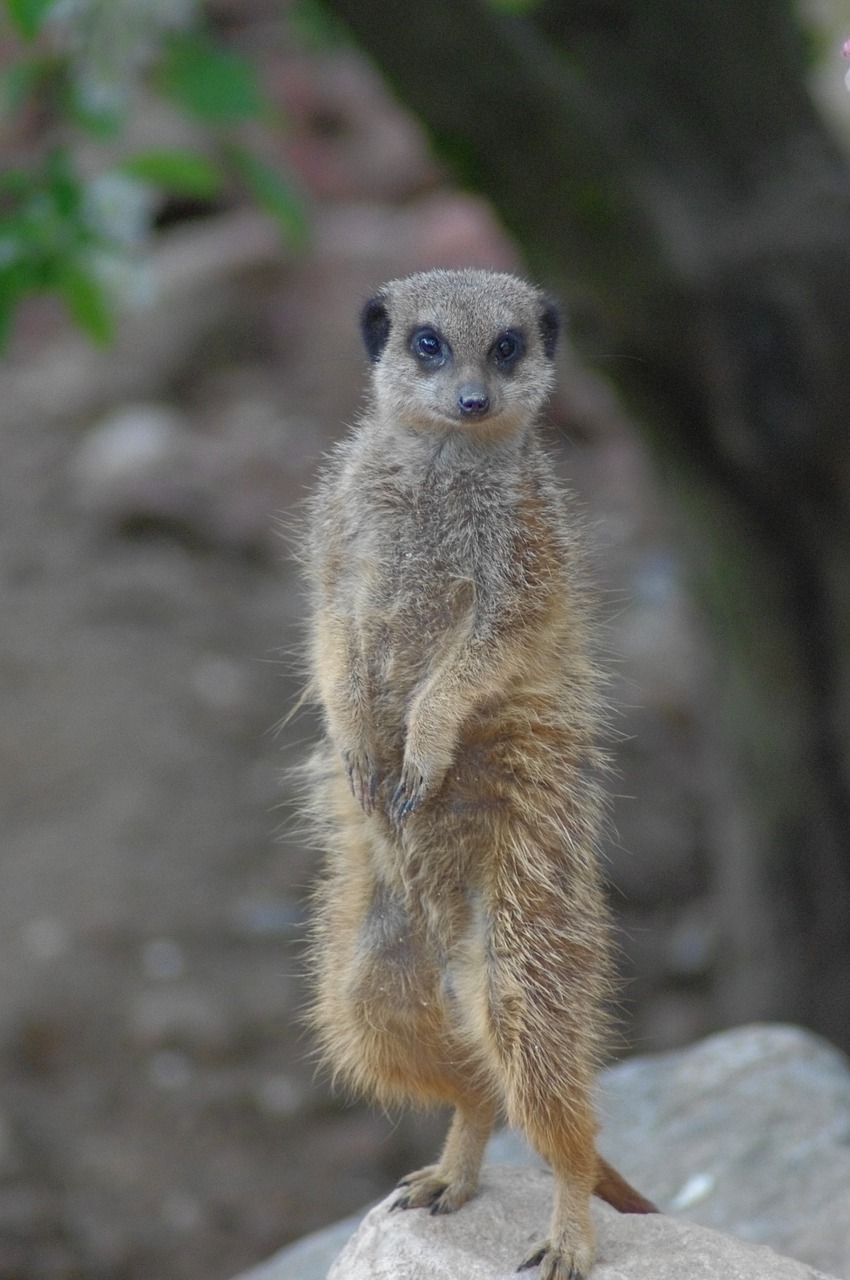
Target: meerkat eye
[(429, 347), (507, 348)]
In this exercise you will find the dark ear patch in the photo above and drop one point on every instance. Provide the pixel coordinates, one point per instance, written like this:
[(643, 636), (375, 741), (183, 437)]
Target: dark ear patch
[(550, 326), (375, 326)]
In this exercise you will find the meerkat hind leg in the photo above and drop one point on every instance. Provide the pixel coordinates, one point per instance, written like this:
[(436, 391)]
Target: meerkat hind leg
[(445, 1186), (546, 1078)]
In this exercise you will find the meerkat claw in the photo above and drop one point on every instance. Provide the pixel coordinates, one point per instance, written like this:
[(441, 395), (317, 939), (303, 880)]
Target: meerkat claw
[(534, 1261), (362, 779), (406, 1201), (404, 799)]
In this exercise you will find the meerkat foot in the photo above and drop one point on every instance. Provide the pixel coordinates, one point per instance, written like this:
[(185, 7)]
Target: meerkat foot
[(430, 1189), (567, 1253), (555, 1264)]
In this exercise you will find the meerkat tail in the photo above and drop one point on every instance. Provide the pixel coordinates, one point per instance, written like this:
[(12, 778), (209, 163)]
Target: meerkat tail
[(614, 1190)]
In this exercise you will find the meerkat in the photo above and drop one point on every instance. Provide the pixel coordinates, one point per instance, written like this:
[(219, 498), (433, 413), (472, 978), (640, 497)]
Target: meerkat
[(461, 949)]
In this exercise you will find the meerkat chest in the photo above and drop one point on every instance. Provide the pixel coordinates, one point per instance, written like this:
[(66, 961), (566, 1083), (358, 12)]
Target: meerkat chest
[(429, 548)]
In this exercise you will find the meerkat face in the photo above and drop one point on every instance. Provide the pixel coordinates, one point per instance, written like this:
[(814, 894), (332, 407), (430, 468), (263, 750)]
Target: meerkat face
[(463, 351)]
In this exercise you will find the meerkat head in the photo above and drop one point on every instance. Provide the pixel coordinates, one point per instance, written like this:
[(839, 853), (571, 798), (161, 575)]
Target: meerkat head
[(468, 351)]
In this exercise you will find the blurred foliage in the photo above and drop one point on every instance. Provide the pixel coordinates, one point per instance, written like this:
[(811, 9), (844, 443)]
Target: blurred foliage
[(314, 25), (74, 70), (514, 6)]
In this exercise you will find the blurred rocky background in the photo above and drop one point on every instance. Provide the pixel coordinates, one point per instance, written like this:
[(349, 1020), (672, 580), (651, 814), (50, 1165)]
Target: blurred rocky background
[(159, 1113)]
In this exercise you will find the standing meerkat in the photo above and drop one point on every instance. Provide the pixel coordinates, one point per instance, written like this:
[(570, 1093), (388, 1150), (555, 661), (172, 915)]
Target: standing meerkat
[(462, 949)]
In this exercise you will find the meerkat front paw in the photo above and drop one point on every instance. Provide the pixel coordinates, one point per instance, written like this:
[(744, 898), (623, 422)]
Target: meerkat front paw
[(429, 1189), (362, 778), (409, 793), (427, 759)]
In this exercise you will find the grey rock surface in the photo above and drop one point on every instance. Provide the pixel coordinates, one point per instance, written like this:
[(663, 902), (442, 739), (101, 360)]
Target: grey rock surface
[(310, 1258), (747, 1132), (499, 1227)]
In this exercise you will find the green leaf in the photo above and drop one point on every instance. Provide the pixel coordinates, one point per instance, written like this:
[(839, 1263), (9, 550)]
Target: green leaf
[(27, 15), (186, 173), (216, 85), (63, 185), (273, 193), (86, 300)]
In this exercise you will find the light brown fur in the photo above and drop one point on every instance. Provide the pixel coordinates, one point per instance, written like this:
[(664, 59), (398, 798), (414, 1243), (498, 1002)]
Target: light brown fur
[(462, 947)]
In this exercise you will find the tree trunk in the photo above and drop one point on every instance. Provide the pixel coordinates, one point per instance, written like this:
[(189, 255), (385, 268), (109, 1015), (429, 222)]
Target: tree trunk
[(662, 165)]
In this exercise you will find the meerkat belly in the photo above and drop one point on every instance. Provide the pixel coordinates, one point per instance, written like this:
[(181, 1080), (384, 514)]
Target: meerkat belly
[(413, 962), (513, 754)]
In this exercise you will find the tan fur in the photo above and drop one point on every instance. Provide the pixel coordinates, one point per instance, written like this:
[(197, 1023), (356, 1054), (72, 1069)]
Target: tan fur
[(462, 941)]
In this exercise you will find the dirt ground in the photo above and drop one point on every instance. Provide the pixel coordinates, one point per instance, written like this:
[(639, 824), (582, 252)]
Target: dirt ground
[(159, 1114)]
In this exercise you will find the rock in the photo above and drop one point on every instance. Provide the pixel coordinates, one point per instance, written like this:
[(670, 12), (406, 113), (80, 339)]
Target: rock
[(347, 138), (212, 480), (310, 1258), (747, 1132), (138, 470), (493, 1233)]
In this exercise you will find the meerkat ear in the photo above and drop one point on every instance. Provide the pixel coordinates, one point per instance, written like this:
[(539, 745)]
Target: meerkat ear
[(375, 326), (550, 326)]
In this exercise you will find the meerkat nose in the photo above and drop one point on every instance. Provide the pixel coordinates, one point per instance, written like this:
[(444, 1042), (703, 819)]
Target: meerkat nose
[(473, 399)]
